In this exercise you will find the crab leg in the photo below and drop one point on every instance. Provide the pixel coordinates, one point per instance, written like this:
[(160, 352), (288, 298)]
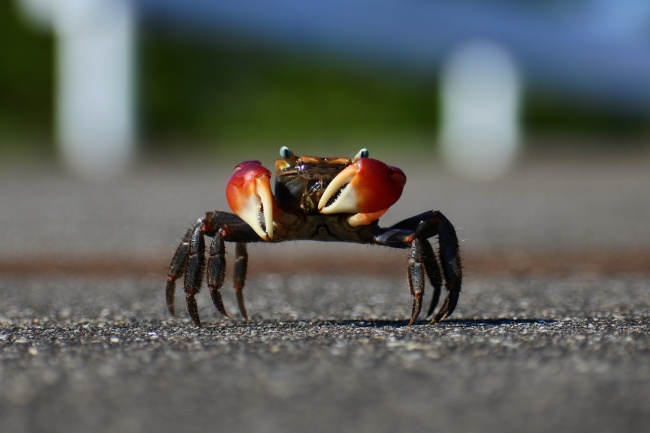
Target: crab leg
[(422, 260), (433, 273), (189, 259), (422, 227), (452, 269), (415, 273), (435, 223), (177, 267), (239, 276), (194, 272), (216, 271)]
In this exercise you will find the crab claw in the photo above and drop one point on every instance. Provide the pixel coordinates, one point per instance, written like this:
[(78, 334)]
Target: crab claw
[(367, 186), (250, 198)]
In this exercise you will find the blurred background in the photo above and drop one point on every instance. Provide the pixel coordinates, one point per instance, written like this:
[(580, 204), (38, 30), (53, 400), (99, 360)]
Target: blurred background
[(213, 77), (147, 105), (526, 122)]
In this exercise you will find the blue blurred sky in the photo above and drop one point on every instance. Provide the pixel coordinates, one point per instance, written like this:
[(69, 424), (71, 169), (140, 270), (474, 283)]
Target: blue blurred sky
[(597, 48)]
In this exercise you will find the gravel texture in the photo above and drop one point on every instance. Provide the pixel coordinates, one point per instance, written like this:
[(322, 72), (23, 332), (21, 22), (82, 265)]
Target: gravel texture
[(326, 354)]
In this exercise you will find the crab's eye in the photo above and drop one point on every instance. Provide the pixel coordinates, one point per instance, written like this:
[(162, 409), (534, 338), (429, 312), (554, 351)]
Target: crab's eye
[(363, 153), (285, 152)]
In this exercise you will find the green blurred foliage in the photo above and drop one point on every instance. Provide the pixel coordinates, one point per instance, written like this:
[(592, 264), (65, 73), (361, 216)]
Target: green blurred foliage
[(228, 91), (240, 92), (26, 84)]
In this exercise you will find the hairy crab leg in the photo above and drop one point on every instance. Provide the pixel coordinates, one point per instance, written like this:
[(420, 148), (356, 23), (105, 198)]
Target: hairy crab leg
[(239, 276), (194, 272), (424, 226), (177, 267), (422, 260), (452, 269), (415, 272), (433, 273), (216, 270), (189, 259)]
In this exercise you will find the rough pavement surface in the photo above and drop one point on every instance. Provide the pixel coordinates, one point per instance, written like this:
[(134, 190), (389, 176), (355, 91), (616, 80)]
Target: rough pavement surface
[(326, 351), (535, 355)]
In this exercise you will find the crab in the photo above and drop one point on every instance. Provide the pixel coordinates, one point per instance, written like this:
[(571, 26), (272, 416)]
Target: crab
[(318, 199)]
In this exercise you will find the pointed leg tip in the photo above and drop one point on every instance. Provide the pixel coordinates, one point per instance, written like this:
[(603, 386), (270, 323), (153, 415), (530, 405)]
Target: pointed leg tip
[(169, 296), (196, 320), (194, 315), (171, 308), (441, 316), (193, 310), (241, 304), (222, 309)]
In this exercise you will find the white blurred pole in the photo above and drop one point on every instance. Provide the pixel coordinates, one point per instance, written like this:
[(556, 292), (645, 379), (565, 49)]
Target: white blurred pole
[(481, 94), (95, 96)]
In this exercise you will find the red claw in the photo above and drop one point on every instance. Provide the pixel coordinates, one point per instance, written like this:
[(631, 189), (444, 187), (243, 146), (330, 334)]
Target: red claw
[(367, 188), (249, 195)]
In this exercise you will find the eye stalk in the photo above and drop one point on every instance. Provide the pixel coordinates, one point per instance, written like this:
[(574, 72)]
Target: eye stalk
[(288, 155), (367, 186), (249, 195), (363, 153)]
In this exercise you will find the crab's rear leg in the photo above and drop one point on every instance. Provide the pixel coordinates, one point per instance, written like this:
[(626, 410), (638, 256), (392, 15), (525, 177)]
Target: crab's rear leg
[(422, 260), (433, 273), (216, 270), (239, 276), (177, 266), (434, 223), (194, 272), (249, 195), (415, 273), (189, 259)]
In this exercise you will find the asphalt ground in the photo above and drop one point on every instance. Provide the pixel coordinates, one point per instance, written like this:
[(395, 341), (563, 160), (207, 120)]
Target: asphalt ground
[(551, 331)]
